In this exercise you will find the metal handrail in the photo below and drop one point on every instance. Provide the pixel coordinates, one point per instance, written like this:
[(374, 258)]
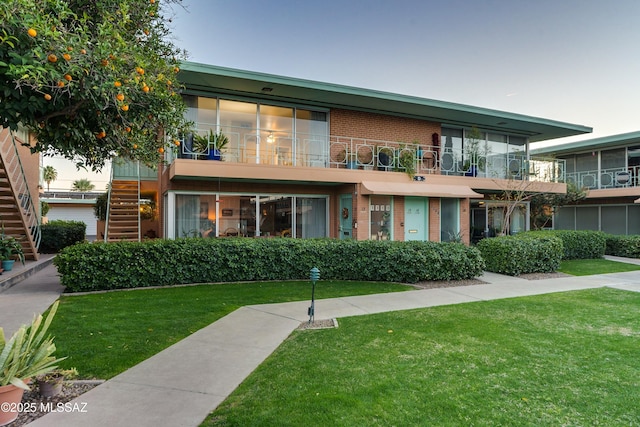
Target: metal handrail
[(106, 222), (264, 146), (18, 181)]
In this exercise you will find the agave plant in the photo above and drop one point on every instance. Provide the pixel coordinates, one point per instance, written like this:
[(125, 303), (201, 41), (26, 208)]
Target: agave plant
[(29, 352)]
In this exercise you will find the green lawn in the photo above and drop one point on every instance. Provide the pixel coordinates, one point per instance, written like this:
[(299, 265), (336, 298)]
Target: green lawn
[(106, 333), (587, 267), (558, 359)]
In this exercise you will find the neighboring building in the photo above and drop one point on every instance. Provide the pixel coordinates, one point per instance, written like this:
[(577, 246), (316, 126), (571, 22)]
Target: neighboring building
[(73, 206), (307, 159), (610, 168)]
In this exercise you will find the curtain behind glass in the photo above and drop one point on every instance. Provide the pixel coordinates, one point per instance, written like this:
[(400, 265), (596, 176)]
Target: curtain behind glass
[(187, 215), (311, 217)]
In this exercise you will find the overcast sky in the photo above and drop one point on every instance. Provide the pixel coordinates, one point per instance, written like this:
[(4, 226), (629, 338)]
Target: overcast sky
[(574, 61)]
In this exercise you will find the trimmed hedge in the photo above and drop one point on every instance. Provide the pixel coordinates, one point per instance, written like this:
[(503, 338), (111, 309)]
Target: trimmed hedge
[(59, 234), (515, 255), (102, 266), (579, 244), (625, 246)]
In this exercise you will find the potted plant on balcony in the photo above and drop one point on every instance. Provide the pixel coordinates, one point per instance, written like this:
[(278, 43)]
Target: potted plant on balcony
[(407, 160), (27, 354), (10, 250), (211, 145)]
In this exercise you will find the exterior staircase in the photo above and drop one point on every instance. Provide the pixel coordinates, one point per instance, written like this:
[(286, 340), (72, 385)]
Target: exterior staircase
[(18, 213), (123, 216)]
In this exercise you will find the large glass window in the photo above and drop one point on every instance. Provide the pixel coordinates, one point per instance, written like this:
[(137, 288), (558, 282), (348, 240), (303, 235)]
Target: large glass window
[(195, 215), (311, 217), (451, 151), (276, 135), (239, 121), (614, 219), (249, 216), (564, 218), (311, 138), (587, 218), (449, 219), (633, 213)]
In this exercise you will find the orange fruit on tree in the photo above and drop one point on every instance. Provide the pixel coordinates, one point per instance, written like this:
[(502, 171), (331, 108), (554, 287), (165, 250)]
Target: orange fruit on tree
[(139, 70), (177, 143), (47, 97), (117, 84), (146, 32), (176, 69), (83, 51), (32, 32), (125, 107), (52, 58), (101, 134), (68, 77), (60, 83), (104, 62), (145, 88), (161, 150), (69, 48), (135, 146), (66, 57), (120, 97), (128, 129)]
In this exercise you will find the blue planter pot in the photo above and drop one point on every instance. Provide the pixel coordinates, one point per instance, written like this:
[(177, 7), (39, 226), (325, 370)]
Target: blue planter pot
[(7, 264), (214, 154)]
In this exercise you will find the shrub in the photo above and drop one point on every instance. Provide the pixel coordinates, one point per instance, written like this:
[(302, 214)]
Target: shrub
[(625, 246), (59, 234), (513, 255), (100, 266), (579, 244)]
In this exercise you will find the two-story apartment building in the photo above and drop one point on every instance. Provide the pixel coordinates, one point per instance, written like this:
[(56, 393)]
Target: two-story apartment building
[(306, 159), (609, 167)]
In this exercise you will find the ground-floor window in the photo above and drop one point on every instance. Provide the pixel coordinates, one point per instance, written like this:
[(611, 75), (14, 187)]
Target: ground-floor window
[(612, 219), (449, 220), (229, 215), (381, 212)]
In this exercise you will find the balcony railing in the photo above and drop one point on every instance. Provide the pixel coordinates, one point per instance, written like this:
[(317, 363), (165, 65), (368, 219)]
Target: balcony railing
[(606, 178), (257, 146)]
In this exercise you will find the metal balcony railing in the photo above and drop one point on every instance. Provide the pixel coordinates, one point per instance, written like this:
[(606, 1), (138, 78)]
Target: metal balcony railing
[(256, 146), (606, 178)]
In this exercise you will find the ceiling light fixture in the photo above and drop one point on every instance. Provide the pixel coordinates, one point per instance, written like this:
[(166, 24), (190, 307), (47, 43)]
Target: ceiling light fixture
[(270, 138)]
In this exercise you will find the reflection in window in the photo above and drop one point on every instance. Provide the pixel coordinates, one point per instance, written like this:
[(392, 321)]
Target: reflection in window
[(449, 220)]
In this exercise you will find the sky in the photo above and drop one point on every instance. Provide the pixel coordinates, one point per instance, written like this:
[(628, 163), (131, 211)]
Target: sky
[(574, 61)]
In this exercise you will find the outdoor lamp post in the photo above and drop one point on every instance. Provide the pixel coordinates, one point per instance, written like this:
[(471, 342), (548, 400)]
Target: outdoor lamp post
[(315, 276)]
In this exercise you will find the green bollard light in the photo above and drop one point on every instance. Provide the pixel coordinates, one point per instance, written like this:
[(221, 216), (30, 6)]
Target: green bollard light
[(315, 276)]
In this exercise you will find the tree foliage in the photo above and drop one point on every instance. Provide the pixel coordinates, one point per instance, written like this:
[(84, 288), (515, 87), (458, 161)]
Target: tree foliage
[(49, 174), (544, 205), (91, 79), (82, 184)]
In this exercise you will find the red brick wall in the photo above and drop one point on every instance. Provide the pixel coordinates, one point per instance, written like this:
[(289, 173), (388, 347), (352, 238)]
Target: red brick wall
[(357, 124)]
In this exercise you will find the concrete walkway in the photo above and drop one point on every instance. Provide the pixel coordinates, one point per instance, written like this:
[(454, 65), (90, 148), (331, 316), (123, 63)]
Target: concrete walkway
[(181, 385)]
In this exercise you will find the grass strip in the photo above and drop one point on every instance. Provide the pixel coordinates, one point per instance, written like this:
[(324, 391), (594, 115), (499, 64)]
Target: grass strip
[(587, 267), (103, 334), (557, 359)]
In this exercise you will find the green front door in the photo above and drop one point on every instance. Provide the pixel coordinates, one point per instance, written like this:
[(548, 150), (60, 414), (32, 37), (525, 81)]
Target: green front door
[(416, 218), (346, 205)]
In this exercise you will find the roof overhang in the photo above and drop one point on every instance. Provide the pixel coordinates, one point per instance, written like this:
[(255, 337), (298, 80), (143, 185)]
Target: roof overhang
[(419, 189), (611, 141), (202, 79)]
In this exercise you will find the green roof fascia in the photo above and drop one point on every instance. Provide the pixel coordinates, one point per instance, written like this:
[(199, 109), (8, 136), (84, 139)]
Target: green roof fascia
[(203, 78), (611, 141)]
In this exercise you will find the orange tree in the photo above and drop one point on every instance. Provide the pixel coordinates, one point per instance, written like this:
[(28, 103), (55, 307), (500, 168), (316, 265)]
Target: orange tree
[(91, 79)]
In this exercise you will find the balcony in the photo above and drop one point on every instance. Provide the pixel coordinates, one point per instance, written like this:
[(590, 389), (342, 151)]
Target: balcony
[(605, 179), (265, 147)]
